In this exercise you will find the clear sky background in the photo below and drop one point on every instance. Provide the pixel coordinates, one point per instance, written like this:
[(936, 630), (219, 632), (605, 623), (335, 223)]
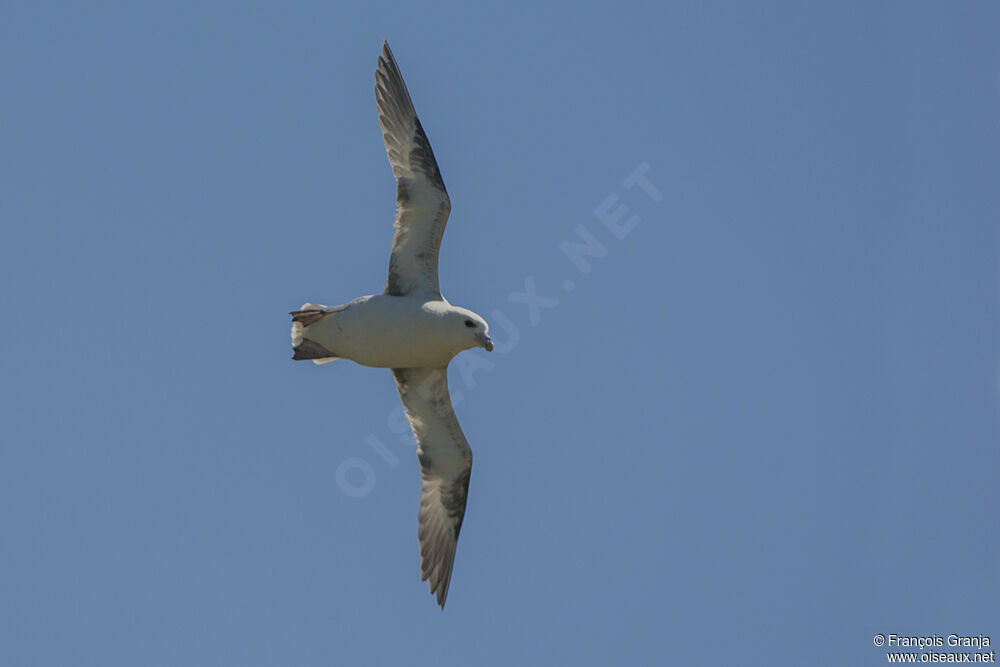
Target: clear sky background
[(760, 429)]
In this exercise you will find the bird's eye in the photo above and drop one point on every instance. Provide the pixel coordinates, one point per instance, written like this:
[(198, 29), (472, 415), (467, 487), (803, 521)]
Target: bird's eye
[(470, 323)]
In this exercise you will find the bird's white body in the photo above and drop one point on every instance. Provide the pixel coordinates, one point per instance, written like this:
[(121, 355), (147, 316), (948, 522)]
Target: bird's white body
[(391, 331)]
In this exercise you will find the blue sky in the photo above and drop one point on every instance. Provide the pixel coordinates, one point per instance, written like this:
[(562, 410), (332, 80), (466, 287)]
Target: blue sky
[(759, 428)]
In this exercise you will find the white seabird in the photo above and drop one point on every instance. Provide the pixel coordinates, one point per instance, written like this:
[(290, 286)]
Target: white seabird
[(410, 328)]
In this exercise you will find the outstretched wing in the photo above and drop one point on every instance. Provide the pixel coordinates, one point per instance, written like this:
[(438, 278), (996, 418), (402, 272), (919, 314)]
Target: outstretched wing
[(422, 203), (445, 464)]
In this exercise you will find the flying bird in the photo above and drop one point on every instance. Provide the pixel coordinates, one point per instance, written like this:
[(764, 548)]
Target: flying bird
[(410, 328)]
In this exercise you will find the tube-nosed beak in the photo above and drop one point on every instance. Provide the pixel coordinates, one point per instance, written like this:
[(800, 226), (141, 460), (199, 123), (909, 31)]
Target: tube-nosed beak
[(487, 342)]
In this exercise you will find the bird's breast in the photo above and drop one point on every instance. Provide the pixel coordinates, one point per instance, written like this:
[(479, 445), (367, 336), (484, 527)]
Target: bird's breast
[(392, 332)]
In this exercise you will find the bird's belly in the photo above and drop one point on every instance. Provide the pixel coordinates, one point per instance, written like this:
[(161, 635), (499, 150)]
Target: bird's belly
[(389, 334), (398, 352)]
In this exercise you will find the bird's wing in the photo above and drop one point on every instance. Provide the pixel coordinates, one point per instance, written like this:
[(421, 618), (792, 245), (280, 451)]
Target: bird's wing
[(422, 203), (445, 464)]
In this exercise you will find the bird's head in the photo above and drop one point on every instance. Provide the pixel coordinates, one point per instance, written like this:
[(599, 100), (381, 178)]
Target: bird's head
[(472, 329)]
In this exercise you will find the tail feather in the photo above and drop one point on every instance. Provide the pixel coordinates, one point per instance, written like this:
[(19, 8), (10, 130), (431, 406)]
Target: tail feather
[(309, 349), (303, 347), (307, 317)]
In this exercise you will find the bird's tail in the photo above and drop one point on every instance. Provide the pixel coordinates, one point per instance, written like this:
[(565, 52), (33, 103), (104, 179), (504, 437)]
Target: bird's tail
[(304, 348)]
